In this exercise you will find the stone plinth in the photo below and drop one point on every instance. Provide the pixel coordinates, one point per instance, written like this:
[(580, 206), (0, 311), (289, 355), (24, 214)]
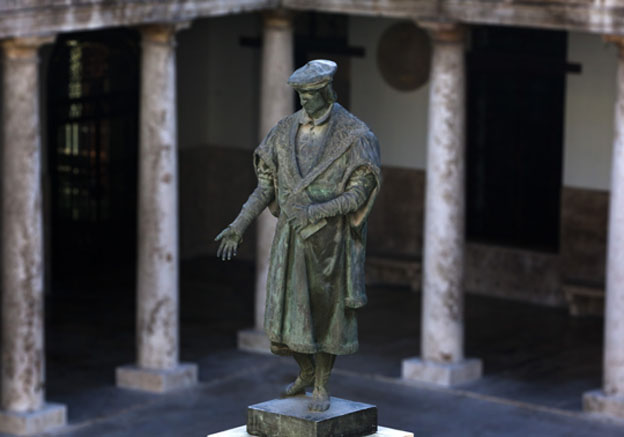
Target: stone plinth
[(382, 431), (291, 417), (156, 380), (49, 416), (597, 401), (445, 374), (254, 340)]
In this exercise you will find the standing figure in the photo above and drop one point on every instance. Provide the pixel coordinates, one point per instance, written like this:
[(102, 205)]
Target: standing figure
[(319, 172)]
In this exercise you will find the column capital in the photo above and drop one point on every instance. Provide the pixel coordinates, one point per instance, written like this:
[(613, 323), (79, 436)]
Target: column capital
[(444, 31), (162, 33), (25, 47), (617, 40), (278, 18)]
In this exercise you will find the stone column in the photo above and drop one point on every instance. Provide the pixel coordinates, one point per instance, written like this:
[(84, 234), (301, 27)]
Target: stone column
[(276, 102), (610, 400), (157, 368), (24, 410), (442, 342)]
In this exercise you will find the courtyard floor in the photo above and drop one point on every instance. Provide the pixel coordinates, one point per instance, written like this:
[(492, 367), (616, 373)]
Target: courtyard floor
[(537, 363)]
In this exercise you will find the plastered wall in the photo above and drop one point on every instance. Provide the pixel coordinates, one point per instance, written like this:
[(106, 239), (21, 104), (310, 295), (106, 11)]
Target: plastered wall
[(218, 83), (590, 99), (399, 119)]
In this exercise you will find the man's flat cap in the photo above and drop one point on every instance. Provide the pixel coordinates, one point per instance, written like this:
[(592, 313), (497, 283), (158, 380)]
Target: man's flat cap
[(313, 75)]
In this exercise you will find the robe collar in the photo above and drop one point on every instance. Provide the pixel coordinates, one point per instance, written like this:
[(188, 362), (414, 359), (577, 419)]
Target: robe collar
[(336, 143), (304, 118)]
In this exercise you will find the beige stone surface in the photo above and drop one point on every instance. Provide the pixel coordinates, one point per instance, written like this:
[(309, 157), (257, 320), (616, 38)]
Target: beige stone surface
[(156, 380), (254, 340), (600, 403), (382, 431), (48, 417), (613, 363), (23, 351), (443, 260), (445, 374), (158, 263)]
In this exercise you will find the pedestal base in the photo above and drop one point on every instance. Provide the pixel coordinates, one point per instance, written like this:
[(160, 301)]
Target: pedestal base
[(253, 340), (440, 373), (597, 401), (291, 417), (382, 431), (156, 381), (34, 422)]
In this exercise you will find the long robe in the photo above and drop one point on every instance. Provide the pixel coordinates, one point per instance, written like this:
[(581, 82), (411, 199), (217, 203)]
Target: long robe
[(315, 284)]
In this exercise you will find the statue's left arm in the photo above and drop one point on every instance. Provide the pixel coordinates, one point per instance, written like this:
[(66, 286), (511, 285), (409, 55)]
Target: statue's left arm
[(361, 184)]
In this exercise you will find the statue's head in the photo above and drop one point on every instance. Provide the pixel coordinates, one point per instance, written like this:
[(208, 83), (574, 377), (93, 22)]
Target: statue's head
[(313, 83)]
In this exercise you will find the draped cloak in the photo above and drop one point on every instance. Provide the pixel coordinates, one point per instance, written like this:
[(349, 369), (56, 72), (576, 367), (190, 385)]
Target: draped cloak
[(315, 284)]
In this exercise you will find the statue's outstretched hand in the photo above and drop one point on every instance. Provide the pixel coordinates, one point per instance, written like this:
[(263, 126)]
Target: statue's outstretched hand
[(230, 239)]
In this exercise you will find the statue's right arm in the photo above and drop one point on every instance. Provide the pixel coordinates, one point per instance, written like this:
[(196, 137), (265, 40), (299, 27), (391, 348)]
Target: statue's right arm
[(232, 236)]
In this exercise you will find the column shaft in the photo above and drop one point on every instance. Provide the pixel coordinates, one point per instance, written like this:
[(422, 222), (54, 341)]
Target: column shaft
[(22, 250), (276, 102), (157, 280), (24, 410), (442, 314), (442, 344), (614, 310), (610, 399)]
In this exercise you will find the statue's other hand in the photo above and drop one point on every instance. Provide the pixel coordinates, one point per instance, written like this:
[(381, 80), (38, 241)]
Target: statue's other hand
[(229, 243), (298, 217)]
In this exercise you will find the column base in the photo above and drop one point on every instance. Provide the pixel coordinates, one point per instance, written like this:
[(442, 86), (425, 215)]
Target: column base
[(156, 380), (33, 422), (254, 340), (382, 431), (596, 401), (445, 374)]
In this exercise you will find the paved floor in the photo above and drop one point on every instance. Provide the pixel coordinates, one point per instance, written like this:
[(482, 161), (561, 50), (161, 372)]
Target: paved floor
[(538, 362)]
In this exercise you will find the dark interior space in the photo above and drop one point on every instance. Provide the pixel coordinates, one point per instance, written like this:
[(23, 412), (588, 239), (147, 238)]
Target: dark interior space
[(93, 97), (515, 117)]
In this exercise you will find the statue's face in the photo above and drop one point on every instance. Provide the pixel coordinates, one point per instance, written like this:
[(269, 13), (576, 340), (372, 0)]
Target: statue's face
[(312, 101)]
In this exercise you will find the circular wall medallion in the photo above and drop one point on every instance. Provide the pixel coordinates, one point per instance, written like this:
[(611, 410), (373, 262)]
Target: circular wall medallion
[(404, 56)]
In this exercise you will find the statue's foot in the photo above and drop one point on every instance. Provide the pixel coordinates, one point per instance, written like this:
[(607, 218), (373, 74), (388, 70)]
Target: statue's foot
[(320, 400), (296, 388)]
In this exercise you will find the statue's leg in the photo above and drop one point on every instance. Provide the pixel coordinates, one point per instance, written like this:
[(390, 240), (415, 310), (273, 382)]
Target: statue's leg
[(305, 378), (320, 396)]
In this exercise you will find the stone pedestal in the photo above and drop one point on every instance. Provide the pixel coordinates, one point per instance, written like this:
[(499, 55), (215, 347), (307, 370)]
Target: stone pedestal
[(48, 417), (291, 417), (254, 340), (382, 431), (446, 374), (597, 401), (156, 380)]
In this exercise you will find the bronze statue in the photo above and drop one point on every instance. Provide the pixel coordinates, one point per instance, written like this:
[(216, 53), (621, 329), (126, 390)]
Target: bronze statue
[(319, 172)]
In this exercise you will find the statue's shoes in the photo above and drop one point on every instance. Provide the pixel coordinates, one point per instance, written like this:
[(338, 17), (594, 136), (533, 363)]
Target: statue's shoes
[(296, 388), (320, 400)]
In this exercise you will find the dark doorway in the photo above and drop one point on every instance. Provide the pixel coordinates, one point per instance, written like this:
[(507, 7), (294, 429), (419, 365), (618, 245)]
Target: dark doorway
[(93, 94), (515, 104)]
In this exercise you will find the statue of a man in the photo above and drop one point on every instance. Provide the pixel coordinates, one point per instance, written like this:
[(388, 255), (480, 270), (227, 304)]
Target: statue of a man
[(319, 172)]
